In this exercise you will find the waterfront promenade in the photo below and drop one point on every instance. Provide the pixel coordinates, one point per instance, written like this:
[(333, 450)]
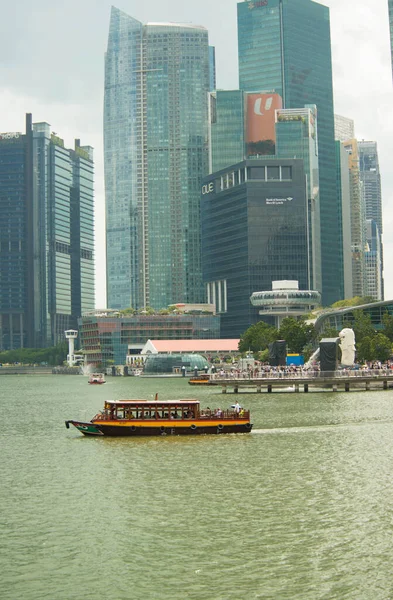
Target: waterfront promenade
[(302, 380)]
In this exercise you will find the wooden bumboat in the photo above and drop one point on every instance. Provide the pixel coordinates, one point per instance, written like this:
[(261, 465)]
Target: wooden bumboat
[(200, 380), (162, 417), (96, 379)]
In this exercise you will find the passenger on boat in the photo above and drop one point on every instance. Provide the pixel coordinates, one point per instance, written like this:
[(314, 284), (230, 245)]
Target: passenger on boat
[(236, 409), (218, 413)]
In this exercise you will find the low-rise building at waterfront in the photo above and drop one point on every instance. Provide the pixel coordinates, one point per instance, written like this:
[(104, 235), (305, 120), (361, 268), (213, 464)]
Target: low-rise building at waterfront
[(107, 337)]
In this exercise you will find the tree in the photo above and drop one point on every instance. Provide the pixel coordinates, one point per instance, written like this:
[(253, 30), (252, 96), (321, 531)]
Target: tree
[(362, 325), (258, 337), (363, 350), (297, 334), (387, 321), (381, 347)]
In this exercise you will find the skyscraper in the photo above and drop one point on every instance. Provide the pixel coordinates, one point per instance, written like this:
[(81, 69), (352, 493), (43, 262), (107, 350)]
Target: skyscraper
[(358, 220), (370, 176), (344, 128), (47, 236), (157, 79), (390, 7), (254, 231), (294, 40), (297, 136)]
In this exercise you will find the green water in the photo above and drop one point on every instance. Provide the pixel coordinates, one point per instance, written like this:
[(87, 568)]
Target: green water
[(301, 508)]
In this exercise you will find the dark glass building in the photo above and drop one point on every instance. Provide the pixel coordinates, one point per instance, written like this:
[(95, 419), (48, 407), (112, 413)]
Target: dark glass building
[(285, 46), (46, 236), (254, 232)]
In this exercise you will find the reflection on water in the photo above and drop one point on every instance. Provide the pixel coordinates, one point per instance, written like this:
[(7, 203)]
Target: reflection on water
[(301, 508)]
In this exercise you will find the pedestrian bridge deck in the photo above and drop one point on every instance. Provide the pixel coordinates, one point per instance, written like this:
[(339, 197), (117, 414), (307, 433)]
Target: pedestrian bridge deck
[(273, 380)]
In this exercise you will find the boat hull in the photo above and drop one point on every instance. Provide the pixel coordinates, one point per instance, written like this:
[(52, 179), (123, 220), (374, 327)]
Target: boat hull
[(138, 430), (85, 428)]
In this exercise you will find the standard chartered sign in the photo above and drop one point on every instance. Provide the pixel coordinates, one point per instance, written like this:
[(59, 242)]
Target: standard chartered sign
[(208, 188)]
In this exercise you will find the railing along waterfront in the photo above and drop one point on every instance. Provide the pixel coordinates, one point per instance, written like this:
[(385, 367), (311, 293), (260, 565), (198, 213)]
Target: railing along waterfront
[(308, 378), (282, 375)]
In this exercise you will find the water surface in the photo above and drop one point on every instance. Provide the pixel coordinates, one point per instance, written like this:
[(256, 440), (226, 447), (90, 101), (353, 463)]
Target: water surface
[(301, 508)]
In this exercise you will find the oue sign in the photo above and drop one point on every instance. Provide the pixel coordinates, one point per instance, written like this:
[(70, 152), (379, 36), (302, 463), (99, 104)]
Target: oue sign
[(208, 188)]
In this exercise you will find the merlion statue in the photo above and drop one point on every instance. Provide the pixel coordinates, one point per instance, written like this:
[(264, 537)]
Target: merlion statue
[(347, 345)]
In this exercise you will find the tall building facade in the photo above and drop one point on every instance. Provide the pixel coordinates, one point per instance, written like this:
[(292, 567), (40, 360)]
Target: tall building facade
[(254, 231), (46, 236), (241, 125), (370, 177), (344, 128), (344, 191), (373, 259), (390, 8), (297, 136), (157, 79), (358, 220), (294, 39)]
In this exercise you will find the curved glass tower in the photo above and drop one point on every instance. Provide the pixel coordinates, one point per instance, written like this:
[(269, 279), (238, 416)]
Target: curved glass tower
[(156, 153)]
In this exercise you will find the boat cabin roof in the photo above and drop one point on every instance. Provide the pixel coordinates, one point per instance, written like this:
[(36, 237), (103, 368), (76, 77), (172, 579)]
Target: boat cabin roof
[(151, 402)]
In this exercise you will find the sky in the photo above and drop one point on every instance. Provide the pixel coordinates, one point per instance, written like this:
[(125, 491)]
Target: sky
[(52, 65)]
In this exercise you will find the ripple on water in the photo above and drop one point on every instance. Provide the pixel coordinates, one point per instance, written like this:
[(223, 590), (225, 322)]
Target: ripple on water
[(301, 508)]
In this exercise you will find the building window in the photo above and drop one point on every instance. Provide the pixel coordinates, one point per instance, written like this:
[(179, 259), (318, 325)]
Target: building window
[(273, 173), (286, 173)]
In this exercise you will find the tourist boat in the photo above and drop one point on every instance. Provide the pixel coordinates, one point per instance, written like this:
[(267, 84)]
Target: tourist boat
[(97, 378), (163, 417), (200, 380)]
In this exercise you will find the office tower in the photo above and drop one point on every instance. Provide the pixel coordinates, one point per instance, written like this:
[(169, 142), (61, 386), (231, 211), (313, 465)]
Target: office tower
[(294, 40), (297, 137), (373, 259), (47, 236), (254, 231), (156, 152), (358, 219), (212, 68), (241, 125), (370, 177), (344, 128), (344, 191), (390, 8)]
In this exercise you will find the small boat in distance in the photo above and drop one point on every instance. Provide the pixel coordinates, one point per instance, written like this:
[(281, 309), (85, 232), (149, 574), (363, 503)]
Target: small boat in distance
[(203, 379), (97, 378), (163, 417)]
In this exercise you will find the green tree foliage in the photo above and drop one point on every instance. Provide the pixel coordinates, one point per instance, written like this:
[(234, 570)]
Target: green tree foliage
[(381, 347), (363, 350), (297, 334), (387, 321), (33, 356), (329, 332), (262, 148), (356, 301), (362, 325), (126, 312), (258, 337)]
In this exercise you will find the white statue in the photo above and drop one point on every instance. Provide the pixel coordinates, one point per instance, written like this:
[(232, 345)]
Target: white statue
[(347, 345)]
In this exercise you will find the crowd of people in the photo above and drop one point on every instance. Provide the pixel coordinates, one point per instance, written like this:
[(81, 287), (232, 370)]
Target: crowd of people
[(264, 371)]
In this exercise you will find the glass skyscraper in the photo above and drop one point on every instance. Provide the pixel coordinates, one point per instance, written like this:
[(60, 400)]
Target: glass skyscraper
[(297, 136), (157, 79), (254, 231), (285, 46), (370, 176), (390, 7), (47, 236)]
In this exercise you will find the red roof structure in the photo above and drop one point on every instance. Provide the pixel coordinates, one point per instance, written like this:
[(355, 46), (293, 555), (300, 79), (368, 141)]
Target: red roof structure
[(190, 346)]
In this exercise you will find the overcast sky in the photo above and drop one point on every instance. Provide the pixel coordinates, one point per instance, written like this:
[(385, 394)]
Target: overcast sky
[(52, 65)]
